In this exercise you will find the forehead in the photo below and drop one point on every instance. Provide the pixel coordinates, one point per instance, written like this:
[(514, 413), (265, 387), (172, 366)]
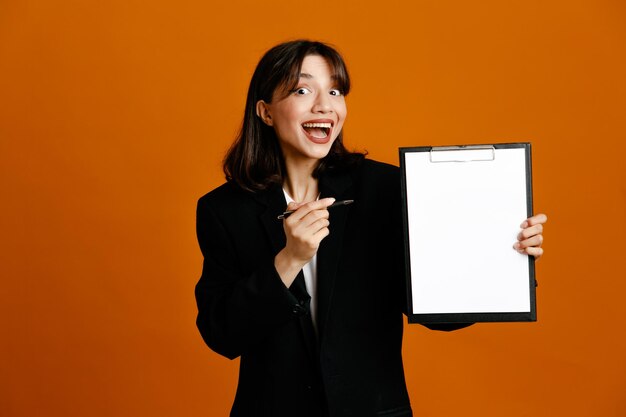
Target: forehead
[(315, 66)]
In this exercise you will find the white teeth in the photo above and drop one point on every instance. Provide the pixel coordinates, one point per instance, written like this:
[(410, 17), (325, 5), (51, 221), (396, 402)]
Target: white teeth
[(326, 125)]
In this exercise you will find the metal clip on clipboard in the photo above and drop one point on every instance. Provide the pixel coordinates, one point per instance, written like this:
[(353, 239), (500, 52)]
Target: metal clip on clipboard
[(469, 153)]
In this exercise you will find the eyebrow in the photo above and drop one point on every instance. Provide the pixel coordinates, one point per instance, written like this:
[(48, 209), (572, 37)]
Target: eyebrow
[(309, 76)]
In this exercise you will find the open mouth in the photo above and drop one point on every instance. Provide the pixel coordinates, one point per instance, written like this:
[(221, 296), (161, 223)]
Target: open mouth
[(319, 131)]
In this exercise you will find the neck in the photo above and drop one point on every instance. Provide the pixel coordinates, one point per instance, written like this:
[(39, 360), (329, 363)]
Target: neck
[(299, 182)]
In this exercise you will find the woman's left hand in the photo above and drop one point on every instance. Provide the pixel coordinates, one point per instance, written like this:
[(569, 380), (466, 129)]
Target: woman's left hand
[(529, 240)]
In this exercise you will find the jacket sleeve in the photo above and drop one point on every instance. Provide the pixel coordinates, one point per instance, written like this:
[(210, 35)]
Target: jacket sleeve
[(236, 311), (447, 327)]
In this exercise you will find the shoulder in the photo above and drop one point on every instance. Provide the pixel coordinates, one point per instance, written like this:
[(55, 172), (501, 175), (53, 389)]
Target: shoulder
[(375, 172), (225, 191), (380, 167), (225, 197)]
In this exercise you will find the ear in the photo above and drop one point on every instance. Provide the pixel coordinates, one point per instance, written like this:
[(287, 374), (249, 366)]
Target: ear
[(264, 113)]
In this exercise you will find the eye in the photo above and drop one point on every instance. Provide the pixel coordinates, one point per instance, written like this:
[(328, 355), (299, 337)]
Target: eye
[(301, 91), (336, 92)]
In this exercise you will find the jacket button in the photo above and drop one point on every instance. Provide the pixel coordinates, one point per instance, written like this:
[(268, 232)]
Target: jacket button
[(299, 310)]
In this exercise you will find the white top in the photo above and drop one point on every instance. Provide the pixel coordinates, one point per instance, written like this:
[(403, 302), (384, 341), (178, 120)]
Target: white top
[(310, 277)]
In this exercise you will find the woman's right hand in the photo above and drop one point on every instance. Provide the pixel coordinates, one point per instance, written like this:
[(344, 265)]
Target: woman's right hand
[(304, 229)]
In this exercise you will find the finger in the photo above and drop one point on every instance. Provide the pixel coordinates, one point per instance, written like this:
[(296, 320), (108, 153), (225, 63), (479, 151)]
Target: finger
[(530, 231), (536, 240), (305, 209), (316, 233), (323, 203), (314, 219), (307, 225), (321, 234), (536, 219), (534, 251), (320, 224), (313, 222)]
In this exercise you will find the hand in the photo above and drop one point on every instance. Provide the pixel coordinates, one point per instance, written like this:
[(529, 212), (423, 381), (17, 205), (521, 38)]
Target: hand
[(304, 229), (529, 240)]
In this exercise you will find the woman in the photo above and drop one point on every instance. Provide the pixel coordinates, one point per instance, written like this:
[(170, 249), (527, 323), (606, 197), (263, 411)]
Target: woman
[(312, 303)]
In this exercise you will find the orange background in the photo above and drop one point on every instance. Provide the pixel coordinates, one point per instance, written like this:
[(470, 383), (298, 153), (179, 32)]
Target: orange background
[(115, 115)]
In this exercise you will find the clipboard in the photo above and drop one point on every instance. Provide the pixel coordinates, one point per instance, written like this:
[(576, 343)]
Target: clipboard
[(462, 207)]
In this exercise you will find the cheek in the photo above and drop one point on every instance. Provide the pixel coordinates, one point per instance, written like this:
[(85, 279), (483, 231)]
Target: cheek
[(281, 122), (285, 118), (282, 133), (341, 116), (342, 112)]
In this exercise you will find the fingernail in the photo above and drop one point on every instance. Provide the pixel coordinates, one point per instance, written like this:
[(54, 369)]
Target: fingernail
[(516, 246), (524, 225)]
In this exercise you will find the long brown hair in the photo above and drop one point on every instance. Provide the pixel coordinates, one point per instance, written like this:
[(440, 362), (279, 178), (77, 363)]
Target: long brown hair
[(254, 160)]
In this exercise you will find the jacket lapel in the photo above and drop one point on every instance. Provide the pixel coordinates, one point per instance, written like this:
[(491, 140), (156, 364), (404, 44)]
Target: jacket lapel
[(274, 200), (329, 252)]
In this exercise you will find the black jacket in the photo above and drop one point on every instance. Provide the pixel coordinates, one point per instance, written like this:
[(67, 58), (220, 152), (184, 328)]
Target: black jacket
[(354, 367)]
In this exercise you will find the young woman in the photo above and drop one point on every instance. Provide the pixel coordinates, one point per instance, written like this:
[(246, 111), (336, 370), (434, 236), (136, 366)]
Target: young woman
[(313, 303)]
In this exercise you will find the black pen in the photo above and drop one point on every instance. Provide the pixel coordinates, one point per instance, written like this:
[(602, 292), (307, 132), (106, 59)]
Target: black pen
[(335, 204)]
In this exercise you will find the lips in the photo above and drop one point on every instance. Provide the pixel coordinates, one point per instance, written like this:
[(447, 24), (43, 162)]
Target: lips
[(318, 130)]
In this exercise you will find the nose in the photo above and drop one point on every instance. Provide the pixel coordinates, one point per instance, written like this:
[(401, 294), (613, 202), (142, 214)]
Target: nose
[(322, 104)]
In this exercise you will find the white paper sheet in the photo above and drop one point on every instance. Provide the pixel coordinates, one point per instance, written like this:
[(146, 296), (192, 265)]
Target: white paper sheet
[(463, 219)]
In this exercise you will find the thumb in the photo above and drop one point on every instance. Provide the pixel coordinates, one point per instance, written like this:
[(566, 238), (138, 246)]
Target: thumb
[(293, 206)]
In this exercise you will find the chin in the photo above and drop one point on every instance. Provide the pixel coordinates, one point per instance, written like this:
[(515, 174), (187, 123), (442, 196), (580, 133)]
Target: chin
[(321, 152), (308, 151)]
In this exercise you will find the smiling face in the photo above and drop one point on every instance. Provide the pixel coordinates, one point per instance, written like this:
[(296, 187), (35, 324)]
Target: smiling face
[(308, 119)]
